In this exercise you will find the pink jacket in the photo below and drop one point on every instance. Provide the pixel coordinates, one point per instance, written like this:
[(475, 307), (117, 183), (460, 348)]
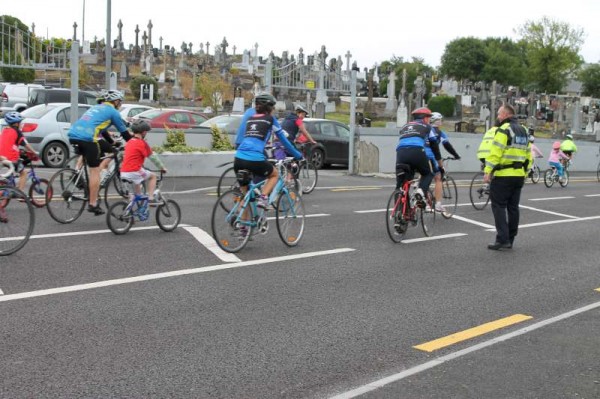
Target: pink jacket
[(556, 156), (535, 152)]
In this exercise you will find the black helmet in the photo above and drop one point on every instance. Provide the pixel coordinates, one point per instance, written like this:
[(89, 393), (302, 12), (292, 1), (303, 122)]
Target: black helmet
[(265, 99), (140, 126)]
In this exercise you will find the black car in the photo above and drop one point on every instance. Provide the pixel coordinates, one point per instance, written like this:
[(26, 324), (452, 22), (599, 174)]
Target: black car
[(46, 96), (332, 139)]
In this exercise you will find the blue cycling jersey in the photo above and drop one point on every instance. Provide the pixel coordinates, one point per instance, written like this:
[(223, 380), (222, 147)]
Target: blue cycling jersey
[(242, 129), (96, 119), (415, 134), (258, 129), (439, 137)]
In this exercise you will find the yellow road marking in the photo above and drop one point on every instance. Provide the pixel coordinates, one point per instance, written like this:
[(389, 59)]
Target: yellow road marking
[(471, 333), (597, 289), (356, 188)]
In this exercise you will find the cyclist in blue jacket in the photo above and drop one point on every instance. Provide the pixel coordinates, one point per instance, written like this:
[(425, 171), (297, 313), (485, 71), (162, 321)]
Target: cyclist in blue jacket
[(250, 152)]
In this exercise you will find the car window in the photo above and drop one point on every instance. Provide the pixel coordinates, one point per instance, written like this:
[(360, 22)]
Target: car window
[(343, 131), (151, 114), (37, 111), (89, 99), (62, 116), (328, 129), (135, 111), (198, 119), (178, 117), (312, 128)]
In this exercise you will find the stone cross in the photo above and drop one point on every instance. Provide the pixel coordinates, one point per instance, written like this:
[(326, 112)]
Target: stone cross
[(120, 26), (33, 28), (201, 48), (255, 56), (284, 58), (323, 54), (234, 48), (190, 44), (403, 90), (207, 44), (348, 56), (160, 40), (150, 26), (145, 38), (301, 56), (338, 68), (224, 45), (74, 31), (137, 33)]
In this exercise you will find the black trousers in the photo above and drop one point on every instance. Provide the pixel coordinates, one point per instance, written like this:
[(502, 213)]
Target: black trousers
[(505, 194), (416, 160)]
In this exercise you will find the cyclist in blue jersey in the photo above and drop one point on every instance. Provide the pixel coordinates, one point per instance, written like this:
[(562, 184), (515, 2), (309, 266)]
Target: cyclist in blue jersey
[(85, 134), (410, 152), (437, 166), (250, 152)]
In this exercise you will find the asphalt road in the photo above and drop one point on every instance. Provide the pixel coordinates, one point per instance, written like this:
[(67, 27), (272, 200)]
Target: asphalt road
[(346, 313)]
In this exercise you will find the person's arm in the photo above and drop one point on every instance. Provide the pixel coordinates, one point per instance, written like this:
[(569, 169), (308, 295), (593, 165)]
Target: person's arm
[(536, 151), (286, 143), (496, 150), (154, 158), (448, 146), (306, 134), (119, 124), (242, 129), (21, 140)]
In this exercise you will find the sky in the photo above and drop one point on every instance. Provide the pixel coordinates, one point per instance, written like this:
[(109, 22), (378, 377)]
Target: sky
[(371, 32)]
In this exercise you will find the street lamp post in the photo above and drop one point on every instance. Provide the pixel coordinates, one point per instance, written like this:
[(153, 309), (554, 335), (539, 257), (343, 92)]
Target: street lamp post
[(107, 48)]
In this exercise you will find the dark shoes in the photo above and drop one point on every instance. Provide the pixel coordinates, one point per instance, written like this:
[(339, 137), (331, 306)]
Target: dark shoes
[(496, 246), (96, 210)]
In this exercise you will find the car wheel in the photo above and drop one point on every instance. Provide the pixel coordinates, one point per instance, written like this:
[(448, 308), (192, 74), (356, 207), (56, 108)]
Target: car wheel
[(55, 155), (318, 158)]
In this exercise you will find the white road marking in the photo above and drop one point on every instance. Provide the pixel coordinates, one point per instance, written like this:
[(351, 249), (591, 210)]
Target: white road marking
[(410, 241), (371, 211), (175, 273), (313, 215), (592, 195), (549, 212), (1, 292), (550, 198), (475, 222), (522, 226), (81, 233), (208, 241), (372, 386)]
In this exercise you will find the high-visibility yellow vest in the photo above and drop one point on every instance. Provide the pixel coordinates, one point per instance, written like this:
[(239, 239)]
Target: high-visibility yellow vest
[(509, 154), (484, 148)]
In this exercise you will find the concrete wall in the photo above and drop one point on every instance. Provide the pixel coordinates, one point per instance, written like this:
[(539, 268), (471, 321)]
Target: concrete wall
[(466, 144)]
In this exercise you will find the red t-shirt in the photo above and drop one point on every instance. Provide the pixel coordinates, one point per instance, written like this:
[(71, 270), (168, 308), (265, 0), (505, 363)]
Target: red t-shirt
[(10, 139), (136, 151), (300, 138)]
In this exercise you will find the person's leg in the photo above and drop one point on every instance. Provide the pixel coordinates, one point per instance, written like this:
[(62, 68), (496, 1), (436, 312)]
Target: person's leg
[(512, 207), (22, 179), (270, 183), (94, 185), (499, 197)]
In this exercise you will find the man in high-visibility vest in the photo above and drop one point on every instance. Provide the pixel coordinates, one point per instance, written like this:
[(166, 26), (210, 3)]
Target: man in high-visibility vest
[(505, 169), (486, 142)]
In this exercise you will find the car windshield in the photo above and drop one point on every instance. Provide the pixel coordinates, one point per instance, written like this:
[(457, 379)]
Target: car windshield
[(150, 114), (38, 111)]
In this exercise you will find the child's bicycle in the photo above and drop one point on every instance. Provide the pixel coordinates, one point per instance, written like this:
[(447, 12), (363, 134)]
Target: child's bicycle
[(121, 215), (236, 217), (39, 186), (403, 209), (18, 219), (551, 175), (534, 172)]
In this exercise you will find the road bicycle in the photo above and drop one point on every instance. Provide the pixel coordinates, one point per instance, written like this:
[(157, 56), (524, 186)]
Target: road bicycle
[(37, 189), (404, 209), (121, 215), (449, 191), (551, 175), (306, 171), (236, 216), (17, 217), (534, 172), (479, 191)]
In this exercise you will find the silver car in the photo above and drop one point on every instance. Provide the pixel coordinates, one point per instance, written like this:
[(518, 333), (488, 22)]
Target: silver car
[(45, 127)]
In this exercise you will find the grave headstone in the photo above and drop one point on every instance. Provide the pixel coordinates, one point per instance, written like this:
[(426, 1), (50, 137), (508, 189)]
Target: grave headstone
[(124, 73), (484, 113), (238, 105), (391, 104), (146, 93)]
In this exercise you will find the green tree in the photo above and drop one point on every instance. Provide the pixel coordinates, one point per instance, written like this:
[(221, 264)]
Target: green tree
[(506, 62), (136, 82), (590, 78), (211, 87), (552, 52), (416, 67), (464, 58)]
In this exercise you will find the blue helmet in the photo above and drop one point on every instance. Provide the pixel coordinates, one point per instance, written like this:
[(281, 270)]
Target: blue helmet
[(13, 117)]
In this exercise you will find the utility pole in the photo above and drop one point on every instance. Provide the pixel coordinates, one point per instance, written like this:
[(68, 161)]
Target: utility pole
[(108, 47)]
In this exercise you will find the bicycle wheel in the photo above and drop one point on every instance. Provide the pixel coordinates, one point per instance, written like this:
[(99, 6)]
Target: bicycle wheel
[(168, 215), (38, 193), (67, 195), (289, 217), (17, 219), (479, 192), (535, 174), (308, 177), (549, 178), (564, 181), (228, 230), (118, 218), (427, 214), (115, 188), (394, 221), (227, 181), (450, 196), (72, 162)]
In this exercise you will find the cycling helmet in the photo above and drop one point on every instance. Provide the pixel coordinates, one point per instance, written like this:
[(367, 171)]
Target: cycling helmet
[(140, 126), (300, 108), (531, 138), (436, 116), (422, 112), (113, 95), (265, 99), (13, 117), (556, 145), (569, 136)]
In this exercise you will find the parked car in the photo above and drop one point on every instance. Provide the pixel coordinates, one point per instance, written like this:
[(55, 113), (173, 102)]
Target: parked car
[(172, 118), (332, 139), (227, 123), (13, 96), (56, 95), (128, 111), (45, 127)]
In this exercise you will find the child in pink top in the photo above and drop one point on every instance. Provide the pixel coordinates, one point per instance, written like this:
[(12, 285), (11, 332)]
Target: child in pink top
[(556, 155)]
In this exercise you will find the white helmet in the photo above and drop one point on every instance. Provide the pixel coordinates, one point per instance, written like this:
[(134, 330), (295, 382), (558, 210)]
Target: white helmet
[(113, 95), (436, 116)]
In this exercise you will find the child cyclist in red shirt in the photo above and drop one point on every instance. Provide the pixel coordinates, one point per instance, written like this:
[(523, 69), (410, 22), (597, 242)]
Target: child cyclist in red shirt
[(136, 152), (10, 140)]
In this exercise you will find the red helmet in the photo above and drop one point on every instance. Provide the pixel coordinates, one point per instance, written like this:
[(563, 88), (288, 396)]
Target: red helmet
[(422, 112)]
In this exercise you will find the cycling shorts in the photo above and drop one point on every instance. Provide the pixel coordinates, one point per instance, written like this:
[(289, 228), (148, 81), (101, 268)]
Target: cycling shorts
[(258, 168), (90, 151)]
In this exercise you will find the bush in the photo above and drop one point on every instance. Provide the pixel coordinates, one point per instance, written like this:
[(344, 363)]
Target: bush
[(442, 104), (220, 140), (175, 142), (136, 82)]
